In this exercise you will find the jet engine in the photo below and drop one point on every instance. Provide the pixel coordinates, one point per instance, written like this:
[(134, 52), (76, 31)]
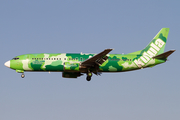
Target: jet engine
[(71, 74)]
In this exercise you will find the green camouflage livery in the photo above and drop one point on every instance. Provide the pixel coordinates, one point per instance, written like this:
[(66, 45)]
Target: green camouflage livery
[(73, 65)]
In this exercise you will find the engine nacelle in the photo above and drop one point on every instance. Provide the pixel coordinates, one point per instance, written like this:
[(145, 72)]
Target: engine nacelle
[(71, 67), (71, 74)]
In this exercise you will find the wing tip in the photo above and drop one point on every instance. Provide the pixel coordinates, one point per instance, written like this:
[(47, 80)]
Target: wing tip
[(173, 50), (110, 49)]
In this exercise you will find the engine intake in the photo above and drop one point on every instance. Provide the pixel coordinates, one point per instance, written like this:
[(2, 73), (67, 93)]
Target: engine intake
[(71, 74)]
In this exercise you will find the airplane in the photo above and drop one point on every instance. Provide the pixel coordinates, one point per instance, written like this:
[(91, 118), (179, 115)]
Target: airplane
[(73, 65)]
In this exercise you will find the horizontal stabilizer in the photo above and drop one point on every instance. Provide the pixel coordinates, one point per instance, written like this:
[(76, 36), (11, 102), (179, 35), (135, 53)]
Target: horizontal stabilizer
[(164, 55)]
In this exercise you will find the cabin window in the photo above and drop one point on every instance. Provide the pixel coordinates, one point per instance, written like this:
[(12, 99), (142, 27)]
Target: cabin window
[(54, 58), (49, 58), (32, 58), (64, 58), (59, 58), (81, 59)]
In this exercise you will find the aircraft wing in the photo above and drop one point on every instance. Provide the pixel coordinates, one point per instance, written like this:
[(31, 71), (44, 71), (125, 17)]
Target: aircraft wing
[(98, 59)]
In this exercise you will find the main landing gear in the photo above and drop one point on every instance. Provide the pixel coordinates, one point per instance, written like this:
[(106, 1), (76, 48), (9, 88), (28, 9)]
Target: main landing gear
[(89, 75), (22, 75)]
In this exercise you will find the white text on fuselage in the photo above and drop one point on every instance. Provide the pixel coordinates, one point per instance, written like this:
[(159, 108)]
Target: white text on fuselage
[(152, 51)]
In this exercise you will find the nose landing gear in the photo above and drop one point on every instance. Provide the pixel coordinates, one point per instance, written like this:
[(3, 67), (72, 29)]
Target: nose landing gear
[(22, 75)]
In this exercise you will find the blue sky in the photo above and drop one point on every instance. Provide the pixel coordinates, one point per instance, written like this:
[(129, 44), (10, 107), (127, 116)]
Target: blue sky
[(90, 27)]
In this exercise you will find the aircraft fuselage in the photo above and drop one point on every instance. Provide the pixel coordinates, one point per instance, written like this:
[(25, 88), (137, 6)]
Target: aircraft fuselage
[(72, 65)]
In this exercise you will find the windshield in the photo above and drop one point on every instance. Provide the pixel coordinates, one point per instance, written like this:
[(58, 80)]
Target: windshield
[(16, 58)]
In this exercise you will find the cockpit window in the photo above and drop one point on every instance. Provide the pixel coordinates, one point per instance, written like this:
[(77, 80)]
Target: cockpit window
[(16, 58)]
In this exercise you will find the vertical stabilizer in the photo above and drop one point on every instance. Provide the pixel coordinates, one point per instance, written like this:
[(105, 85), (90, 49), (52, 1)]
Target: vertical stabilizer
[(158, 43), (154, 48)]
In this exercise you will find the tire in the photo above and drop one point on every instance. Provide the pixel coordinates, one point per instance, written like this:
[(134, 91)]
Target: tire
[(22, 75), (88, 78)]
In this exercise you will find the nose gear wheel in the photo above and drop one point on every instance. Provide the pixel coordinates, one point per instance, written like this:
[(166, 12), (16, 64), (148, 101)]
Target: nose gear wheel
[(22, 75)]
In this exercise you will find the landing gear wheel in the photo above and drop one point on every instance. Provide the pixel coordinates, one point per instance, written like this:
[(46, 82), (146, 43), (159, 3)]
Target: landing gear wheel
[(88, 78), (89, 75), (22, 75)]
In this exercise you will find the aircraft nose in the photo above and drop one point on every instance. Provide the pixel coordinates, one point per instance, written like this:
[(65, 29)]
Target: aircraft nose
[(7, 64)]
